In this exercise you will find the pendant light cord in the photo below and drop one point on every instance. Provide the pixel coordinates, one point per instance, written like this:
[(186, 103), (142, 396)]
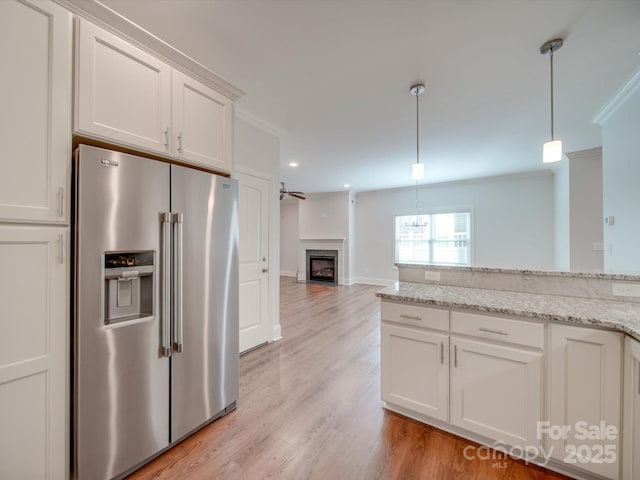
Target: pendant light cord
[(418, 128), (551, 63), (417, 139)]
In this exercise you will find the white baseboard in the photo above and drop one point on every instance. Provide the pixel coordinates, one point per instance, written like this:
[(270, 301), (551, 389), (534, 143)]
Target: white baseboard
[(276, 333), (287, 273), (383, 282)]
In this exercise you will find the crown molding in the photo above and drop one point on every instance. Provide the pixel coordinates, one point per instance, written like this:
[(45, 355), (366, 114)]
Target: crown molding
[(619, 98), (256, 121), (588, 154), (98, 13)]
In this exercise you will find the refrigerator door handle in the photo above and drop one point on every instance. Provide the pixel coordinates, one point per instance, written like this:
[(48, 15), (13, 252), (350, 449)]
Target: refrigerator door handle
[(165, 348), (177, 283)]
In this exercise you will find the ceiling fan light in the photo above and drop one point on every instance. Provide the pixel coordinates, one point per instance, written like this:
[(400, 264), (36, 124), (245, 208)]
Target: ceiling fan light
[(417, 172), (552, 151)]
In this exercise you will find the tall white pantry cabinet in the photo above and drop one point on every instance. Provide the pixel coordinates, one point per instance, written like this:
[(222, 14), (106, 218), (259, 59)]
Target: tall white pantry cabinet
[(35, 157)]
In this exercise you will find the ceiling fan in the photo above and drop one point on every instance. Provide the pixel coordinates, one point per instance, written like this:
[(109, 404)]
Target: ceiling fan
[(284, 191)]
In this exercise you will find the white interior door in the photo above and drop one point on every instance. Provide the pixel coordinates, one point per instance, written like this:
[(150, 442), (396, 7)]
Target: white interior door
[(254, 200)]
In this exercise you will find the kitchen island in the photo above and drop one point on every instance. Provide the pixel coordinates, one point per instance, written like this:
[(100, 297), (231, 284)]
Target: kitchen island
[(511, 369)]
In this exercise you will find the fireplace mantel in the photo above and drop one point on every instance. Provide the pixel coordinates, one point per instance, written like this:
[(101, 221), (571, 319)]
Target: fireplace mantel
[(323, 239)]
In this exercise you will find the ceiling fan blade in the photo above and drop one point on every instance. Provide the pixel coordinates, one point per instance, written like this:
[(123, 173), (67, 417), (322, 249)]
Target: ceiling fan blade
[(299, 193), (295, 194)]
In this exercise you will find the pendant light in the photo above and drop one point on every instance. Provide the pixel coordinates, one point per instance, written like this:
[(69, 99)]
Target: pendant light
[(552, 150), (417, 172)]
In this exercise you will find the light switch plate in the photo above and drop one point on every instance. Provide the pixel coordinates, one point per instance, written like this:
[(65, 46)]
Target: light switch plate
[(433, 276), (625, 289)]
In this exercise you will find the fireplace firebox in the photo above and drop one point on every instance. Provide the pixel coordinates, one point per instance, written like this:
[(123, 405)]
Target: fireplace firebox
[(322, 267)]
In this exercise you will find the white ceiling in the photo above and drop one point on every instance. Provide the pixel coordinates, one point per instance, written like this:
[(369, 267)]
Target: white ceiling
[(333, 77)]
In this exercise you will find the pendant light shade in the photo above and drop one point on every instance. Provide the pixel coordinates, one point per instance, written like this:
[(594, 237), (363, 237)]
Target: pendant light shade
[(552, 150), (417, 172)]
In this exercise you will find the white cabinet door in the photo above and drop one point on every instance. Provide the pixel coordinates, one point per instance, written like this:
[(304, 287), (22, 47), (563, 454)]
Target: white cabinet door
[(585, 392), (415, 370), (35, 151), (122, 92), (631, 428), (202, 124), (496, 391), (33, 381)]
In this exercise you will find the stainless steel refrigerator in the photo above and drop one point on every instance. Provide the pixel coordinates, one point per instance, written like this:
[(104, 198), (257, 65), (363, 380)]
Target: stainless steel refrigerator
[(155, 307)]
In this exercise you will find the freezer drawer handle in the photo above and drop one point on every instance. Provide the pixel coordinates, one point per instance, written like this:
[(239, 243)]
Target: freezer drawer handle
[(177, 283), (165, 348)]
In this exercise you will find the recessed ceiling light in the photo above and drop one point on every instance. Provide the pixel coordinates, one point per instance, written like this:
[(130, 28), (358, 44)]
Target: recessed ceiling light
[(346, 185), (293, 164)]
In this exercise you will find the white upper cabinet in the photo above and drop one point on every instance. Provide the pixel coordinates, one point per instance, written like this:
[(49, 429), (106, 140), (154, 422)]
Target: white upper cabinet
[(35, 151), (128, 96), (201, 121), (585, 396), (122, 92)]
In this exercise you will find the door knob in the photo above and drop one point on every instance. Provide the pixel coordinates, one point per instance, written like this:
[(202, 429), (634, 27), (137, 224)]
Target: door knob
[(265, 270)]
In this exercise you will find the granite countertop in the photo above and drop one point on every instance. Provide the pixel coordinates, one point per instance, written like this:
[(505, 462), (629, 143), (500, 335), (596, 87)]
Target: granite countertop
[(553, 273), (621, 316)]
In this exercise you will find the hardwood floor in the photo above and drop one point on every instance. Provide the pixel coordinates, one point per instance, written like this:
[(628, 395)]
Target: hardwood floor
[(310, 408)]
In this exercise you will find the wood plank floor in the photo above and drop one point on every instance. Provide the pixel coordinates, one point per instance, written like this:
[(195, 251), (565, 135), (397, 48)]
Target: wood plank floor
[(310, 408)]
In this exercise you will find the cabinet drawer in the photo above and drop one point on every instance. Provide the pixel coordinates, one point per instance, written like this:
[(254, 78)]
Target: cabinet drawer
[(519, 332), (415, 315)]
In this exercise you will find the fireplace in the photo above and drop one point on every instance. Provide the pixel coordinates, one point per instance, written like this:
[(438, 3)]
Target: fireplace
[(322, 267)]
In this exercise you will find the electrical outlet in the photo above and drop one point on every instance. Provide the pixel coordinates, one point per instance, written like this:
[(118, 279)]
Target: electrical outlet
[(625, 289), (598, 247), (433, 276)]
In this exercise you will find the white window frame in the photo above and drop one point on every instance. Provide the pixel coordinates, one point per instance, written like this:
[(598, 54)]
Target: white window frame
[(432, 211)]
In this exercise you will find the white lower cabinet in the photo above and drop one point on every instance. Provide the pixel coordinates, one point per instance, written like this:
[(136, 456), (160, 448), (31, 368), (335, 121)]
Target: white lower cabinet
[(585, 398), (415, 370), (545, 387), (33, 358), (631, 424), (496, 391)]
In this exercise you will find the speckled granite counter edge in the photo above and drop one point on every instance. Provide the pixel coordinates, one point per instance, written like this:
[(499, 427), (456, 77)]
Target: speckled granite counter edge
[(580, 320), (556, 273)]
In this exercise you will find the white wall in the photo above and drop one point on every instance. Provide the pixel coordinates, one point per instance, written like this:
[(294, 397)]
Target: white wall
[(257, 151), (324, 215), (289, 237), (561, 219), (328, 216), (586, 221), (577, 186), (513, 222), (352, 236), (621, 181)]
